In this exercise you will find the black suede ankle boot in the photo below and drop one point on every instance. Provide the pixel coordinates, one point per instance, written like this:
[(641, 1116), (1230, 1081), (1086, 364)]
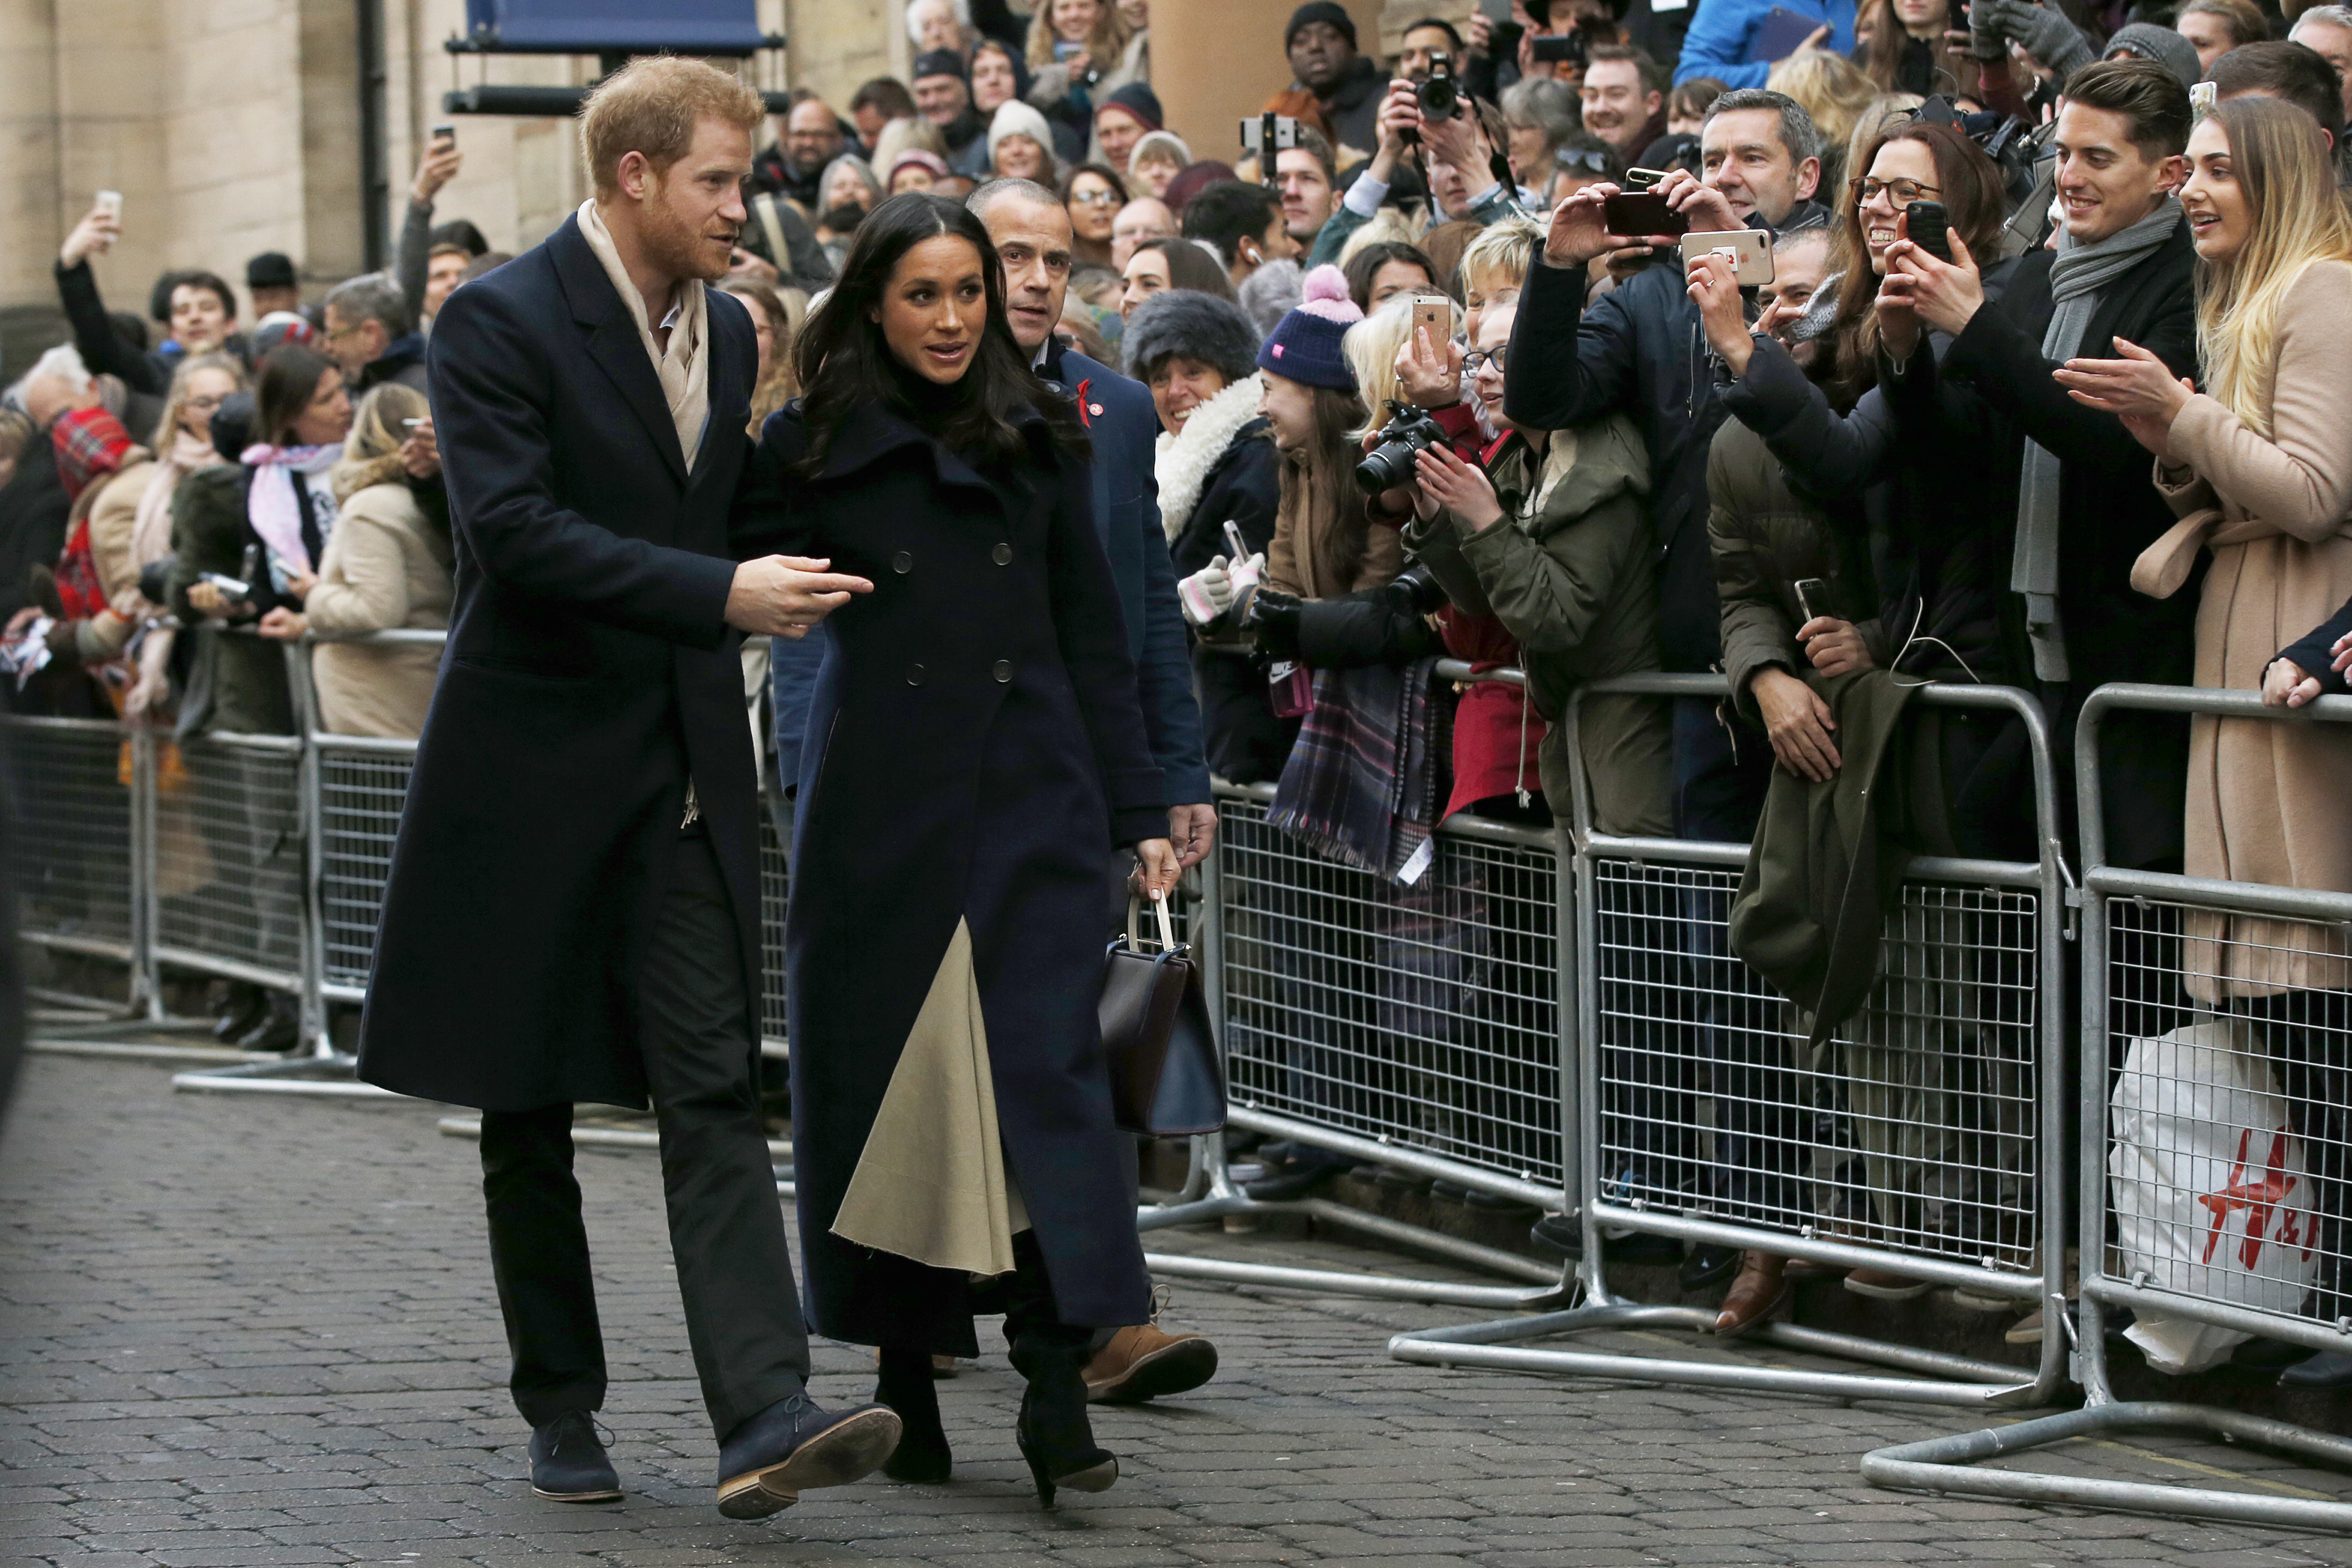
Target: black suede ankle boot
[(1054, 1435), (906, 1386)]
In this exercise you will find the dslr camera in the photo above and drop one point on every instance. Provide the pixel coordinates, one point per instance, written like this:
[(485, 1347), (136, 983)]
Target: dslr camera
[(1389, 463), (1438, 94)]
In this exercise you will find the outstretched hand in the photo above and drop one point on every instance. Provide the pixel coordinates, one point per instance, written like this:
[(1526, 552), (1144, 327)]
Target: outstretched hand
[(2136, 387), (784, 596)]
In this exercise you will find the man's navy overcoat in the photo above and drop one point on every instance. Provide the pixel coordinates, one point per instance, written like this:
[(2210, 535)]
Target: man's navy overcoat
[(589, 673)]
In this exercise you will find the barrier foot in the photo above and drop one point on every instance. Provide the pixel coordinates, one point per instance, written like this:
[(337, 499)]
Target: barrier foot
[(328, 1077), (1948, 1464), (1553, 1287), (1951, 1380)]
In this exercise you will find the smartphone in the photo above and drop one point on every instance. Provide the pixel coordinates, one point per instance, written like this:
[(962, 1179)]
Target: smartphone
[(1778, 35), (1813, 597), (1644, 179), (1750, 251), (1253, 131), (1642, 214), (410, 424), (445, 133), (111, 204), (1435, 314), (1558, 48), (1927, 226)]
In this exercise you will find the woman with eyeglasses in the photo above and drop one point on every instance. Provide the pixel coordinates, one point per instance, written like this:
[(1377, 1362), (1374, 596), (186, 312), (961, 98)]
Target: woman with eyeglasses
[(1815, 477), (1092, 194)]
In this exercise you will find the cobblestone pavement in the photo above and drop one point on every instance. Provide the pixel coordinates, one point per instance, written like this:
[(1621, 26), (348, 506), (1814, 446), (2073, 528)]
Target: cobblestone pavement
[(247, 1330)]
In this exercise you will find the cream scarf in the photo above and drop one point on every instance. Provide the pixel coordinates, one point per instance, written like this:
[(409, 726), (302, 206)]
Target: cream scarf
[(685, 370)]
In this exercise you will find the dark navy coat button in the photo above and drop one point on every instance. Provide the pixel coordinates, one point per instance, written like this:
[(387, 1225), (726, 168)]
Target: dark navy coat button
[(1004, 670), (914, 674), (902, 563), (1002, 555)]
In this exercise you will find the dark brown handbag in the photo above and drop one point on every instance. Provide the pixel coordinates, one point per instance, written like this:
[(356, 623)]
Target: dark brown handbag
[(1165, 1077)]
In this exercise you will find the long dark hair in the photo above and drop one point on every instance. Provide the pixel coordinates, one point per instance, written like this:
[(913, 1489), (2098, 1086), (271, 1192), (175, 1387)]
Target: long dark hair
[(288, 379), (844, 364)]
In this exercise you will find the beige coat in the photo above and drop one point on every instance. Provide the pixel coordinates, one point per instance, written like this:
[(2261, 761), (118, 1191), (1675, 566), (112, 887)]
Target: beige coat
[(2266, 798), (385, 566)]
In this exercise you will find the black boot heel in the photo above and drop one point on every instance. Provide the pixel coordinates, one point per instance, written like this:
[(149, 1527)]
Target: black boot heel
[(1054, 1436), (906, 1386)]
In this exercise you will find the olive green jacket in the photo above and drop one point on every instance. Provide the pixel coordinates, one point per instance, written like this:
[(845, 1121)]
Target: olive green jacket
[(1763, 538), (1571, 572), (237, 681)]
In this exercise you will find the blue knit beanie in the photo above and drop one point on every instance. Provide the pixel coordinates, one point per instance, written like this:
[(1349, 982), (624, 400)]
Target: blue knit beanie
[(1305, 346)]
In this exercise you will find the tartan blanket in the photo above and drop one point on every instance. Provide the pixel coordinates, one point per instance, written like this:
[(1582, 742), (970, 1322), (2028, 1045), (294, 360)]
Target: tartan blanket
[(1361, 784)]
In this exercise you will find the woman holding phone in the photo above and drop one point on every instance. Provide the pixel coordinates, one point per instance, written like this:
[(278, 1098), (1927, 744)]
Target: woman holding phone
[(950, 1105)]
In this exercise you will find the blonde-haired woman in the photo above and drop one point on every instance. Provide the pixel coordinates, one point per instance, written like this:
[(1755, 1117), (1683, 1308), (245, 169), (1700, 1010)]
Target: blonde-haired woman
[(2260, 466), (387, 565), (1835, 93)]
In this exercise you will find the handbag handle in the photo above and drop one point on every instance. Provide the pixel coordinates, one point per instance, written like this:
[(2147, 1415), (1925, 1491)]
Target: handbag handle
[(1159, 909)]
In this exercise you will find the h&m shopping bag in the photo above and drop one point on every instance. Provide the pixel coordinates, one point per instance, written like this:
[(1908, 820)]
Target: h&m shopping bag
[(2210, 1195)]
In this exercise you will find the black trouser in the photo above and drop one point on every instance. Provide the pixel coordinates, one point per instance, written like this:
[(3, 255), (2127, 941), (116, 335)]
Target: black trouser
[(726, 1228)]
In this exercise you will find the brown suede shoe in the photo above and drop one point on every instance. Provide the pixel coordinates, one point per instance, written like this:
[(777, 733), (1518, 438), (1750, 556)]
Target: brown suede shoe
[(1759, 1291), (1143, 1362)]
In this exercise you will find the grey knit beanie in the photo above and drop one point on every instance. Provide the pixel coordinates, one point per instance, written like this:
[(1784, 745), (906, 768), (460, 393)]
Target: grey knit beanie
[(2147, 41), (1199, 326)]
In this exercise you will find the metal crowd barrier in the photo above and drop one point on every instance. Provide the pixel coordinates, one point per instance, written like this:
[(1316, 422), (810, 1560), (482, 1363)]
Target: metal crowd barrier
[(1416, 1027), (1924, 1141), (255, 857), (2249, 984)]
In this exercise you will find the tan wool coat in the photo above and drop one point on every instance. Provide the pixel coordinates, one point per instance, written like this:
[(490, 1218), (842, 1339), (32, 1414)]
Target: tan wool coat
[(2266, 799), (385, 565)]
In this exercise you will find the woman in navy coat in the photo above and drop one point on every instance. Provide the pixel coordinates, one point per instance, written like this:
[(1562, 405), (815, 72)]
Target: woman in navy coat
[(979, 748)]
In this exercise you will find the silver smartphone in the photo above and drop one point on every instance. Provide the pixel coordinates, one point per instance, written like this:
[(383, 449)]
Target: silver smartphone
[(111, 204)]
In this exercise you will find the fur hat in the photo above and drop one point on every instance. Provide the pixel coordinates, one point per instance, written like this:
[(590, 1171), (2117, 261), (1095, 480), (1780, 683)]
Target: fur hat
[(1305, 344), (1196, 325)]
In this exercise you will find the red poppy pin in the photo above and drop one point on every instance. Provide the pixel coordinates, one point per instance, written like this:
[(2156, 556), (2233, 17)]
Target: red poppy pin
[(1087, 411)]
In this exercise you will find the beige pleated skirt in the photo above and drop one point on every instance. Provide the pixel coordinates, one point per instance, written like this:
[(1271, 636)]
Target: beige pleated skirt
[(931, 1183)]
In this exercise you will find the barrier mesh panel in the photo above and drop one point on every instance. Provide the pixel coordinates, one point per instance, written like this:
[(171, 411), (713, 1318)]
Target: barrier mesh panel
[(360, 797), (2229, 1061), (230, 884), (1912, 1128), (68, 786), (1428, 1016)]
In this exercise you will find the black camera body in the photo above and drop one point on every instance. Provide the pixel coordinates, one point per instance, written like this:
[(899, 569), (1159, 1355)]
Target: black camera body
[(1439, 95), (1561, 48), (1398, 448)]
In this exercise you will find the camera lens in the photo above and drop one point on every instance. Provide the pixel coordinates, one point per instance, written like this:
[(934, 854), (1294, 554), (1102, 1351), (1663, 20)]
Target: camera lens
[(1383, 469), (1437, 98)]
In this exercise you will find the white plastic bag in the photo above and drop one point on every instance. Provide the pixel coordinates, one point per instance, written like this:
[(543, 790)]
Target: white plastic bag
[(2210, 1196)]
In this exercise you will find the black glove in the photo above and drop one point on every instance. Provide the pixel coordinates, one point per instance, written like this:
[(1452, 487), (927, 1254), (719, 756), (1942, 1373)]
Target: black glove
[(1273, 620)]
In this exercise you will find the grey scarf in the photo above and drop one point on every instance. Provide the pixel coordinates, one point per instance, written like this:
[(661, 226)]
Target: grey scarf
[(2081, 271)]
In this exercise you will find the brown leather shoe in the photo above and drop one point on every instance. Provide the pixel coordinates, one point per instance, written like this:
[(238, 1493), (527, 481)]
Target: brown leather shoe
[(1143, 1362), (1759, 1291)]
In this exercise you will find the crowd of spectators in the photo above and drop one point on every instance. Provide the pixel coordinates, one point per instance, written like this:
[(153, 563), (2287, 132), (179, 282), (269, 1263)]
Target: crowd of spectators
[(2044, 386)]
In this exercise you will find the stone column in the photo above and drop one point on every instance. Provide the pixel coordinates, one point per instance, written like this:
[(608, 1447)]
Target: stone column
[(30, 203)]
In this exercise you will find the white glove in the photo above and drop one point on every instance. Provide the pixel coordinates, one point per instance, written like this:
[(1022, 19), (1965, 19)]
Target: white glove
[(1206, 594), (1248, 574)]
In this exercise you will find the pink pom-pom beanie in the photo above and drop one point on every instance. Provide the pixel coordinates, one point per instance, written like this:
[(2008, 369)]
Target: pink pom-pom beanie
[(1305, 344)]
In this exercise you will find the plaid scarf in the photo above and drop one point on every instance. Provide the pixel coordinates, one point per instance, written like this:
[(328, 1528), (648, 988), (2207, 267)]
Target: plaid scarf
[(89, 442), (1362, 785)]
